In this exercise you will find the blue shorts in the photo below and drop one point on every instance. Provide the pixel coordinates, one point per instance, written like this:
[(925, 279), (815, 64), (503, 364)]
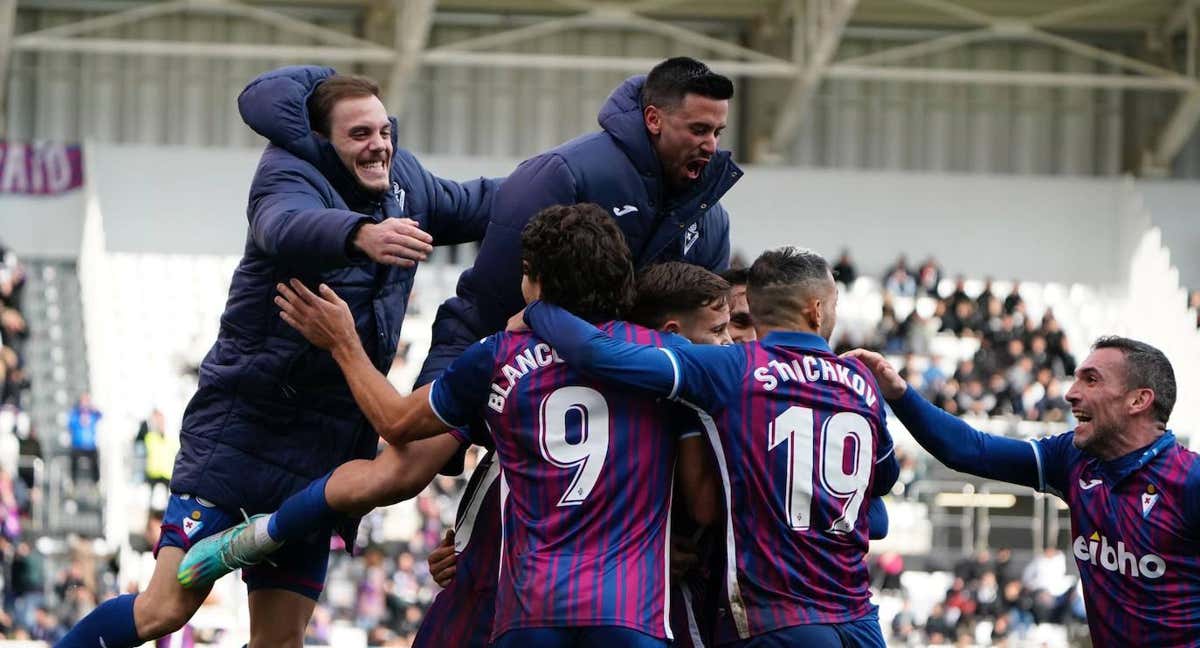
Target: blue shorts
[(299, 566), (586, 637), (860, 633)]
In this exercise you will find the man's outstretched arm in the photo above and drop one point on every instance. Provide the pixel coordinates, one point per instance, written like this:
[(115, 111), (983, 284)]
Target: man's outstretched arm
[(325, 320), (951, 440), (696, 373)]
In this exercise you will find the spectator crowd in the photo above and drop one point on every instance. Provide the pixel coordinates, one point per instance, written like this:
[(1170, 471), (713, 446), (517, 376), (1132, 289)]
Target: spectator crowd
[(1021, 363), (989, 599)]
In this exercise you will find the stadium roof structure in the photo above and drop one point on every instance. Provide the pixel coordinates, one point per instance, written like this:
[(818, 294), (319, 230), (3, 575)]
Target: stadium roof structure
[(799, 46)]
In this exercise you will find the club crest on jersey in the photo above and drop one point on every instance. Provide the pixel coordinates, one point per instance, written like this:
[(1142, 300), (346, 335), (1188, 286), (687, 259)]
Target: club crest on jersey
[(690, 237), (1149, 499), (190, 526)]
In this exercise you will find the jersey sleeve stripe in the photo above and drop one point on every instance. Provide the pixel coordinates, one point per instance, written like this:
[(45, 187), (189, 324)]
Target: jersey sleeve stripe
[(886, 454), (432, 406), (1037, 457), (675, 372)]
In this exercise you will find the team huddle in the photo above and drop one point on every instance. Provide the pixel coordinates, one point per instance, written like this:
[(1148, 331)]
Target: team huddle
[(675, 455)]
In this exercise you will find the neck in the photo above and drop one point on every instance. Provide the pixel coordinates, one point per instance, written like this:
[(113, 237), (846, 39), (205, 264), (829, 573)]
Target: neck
[(1133, 438), (784, 327)]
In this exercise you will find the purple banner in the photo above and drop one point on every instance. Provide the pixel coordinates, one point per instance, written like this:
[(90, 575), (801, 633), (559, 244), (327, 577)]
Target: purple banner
[(40, 168)]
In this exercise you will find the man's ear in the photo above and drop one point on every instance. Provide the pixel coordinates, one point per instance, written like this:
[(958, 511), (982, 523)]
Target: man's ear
[(1143, 399), (671, 326), (653, 116), (812, 313)]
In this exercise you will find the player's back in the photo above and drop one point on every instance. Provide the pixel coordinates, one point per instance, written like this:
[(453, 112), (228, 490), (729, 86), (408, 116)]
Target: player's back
[(797, 442), (586, 481)]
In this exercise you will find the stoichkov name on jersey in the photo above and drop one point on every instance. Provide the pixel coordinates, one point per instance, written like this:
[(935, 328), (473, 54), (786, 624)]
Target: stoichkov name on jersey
[(810, 369)]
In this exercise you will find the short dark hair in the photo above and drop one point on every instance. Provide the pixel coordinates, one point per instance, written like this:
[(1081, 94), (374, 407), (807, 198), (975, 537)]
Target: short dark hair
[(674, 288), (332, 90), (673, 79), (580, 257), (781, 281), (1145, 368), (736, 276)]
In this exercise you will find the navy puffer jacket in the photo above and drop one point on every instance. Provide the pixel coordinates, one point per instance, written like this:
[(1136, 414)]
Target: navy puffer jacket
[(273, 412), (616, 168)]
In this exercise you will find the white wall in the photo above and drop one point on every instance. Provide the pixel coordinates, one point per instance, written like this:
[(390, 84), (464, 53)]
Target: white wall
[(193, 200), (42, 226), (1008, 226), (1175, 208)]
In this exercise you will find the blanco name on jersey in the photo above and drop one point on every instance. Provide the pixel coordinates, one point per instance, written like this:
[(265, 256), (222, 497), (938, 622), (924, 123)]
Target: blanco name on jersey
[(809, 369), (531, 359)]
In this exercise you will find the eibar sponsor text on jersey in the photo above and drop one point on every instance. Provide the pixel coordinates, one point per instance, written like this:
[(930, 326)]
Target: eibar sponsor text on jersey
[(809, 369), (1095, 550), (535, 357)]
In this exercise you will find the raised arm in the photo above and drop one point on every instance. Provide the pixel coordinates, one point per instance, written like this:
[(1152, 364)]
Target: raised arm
[(951, 440), (700, 374), (595, 353), (325, 321), (289, 219), (458, 211)]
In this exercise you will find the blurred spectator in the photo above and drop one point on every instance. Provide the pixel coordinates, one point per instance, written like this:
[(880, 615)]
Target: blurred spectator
[(899, 281), (1194, 304), (844, 271), (82, 424), (904, 623), (1013, 300), (985, 297), (46, 627), (929, 275), (159, 449)]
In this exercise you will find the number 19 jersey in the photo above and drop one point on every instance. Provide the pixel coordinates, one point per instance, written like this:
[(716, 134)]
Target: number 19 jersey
[(586, 482), (797, 432)]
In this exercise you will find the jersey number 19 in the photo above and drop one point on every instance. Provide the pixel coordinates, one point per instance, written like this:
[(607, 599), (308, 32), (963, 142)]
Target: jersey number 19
[(794, 430)]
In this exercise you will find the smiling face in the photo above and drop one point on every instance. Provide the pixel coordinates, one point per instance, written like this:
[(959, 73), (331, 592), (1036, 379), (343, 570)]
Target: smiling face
[(685, 137), (361, 133), (1100, 400), (708, 324)]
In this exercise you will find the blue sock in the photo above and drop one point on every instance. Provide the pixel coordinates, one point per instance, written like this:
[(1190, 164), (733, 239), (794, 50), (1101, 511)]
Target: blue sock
[(110, 624), (302, 513)]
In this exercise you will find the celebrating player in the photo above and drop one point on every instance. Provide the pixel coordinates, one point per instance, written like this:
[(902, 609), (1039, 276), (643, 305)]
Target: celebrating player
[(572, 572), (1133, 491), (801, 442), (333, 200)]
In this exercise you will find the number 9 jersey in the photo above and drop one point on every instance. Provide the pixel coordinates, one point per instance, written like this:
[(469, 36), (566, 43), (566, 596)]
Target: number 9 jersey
[(586, 482), (799, 435)]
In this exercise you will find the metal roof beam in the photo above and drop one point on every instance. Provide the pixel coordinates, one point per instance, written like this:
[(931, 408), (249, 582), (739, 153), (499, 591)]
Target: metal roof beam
[(413, 21), (832, 19), (204, 7), (8, 22), (924, 48), (965, 14), (1175, 133), (206, 50), (1004, 77), (594, 63), (1179, 17), (1066, 15)]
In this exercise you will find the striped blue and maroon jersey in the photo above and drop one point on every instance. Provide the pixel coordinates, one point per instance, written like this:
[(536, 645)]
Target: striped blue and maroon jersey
[(1135, 524), (585, 488), (462, 614), (798, 435)]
